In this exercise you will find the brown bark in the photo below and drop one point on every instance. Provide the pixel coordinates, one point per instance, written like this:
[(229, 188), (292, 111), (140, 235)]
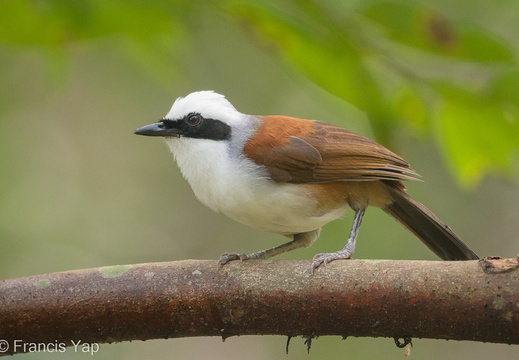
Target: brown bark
[(465, 300)]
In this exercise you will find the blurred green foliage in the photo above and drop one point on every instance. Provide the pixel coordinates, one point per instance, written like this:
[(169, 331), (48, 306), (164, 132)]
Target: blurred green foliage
[(411, 64), (405, 63)]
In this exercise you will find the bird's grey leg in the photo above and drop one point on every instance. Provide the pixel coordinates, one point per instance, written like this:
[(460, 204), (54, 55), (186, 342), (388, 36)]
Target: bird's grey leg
[(347, 251), (299, 240)]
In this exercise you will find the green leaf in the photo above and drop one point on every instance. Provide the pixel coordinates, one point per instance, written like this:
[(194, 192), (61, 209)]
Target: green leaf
[(429, 29), (57, 22), (326, 52), (412, 109), (151, 31), (476, 135), (505, 88), (323, 56)]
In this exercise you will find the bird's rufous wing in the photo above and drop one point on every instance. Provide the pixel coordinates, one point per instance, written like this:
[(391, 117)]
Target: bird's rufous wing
[(307, 151)]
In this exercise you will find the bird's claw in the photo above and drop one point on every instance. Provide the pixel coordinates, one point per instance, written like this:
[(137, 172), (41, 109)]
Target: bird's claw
[(226, 257), (325, 258)]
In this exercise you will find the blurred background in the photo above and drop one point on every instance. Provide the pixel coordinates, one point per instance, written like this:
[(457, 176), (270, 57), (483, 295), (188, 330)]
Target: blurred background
[(436, 81)]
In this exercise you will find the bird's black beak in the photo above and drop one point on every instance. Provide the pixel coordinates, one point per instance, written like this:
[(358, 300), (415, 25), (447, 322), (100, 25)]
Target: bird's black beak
[(158, 129)]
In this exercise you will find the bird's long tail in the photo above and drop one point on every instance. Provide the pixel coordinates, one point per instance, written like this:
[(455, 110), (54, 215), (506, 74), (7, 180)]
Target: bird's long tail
[(427, 227)]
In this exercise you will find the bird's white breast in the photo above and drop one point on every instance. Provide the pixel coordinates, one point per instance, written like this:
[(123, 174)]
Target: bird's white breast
[(232, 184)]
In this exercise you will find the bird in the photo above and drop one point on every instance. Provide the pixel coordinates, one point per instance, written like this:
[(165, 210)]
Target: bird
[(292, 176)]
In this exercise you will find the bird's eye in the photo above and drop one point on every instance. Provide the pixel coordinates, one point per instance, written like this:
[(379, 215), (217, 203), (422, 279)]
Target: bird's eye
[(194, 119)]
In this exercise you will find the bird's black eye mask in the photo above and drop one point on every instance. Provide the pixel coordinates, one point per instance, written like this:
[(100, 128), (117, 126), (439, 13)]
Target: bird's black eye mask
[(196, 126)]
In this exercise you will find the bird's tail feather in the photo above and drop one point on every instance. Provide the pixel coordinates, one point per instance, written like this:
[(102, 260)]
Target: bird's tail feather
[(427, 227)]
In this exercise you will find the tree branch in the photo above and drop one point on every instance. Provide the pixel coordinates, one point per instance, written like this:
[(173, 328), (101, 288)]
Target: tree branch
[(466, 300)]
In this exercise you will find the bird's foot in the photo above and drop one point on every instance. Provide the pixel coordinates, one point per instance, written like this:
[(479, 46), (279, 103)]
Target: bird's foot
[(226, 257), (325, 258)]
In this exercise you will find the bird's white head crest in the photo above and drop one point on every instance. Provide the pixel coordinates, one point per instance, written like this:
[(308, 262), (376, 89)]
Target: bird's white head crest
[(209, 104)]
